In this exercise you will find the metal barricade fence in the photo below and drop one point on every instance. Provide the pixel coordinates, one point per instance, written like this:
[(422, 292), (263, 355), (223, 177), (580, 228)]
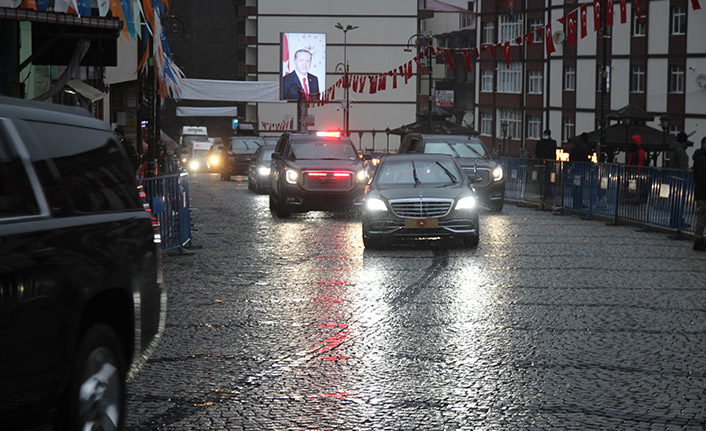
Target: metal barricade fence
[(653, 197), (168, 197)]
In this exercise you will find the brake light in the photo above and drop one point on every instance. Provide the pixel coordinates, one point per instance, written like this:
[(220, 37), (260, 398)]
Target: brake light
[(341, 174), (316, 174), (329, 134)]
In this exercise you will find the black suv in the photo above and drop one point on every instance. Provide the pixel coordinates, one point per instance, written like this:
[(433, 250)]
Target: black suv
[(486, 175), (315, 172), (239, 154), (81, 298)]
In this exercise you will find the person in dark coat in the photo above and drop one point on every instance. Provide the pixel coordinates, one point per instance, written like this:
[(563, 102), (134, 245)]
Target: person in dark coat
[(677, 153), (546, 147), (129, 148), (300, 81), (700, 195), (545, 150), (581, 151)]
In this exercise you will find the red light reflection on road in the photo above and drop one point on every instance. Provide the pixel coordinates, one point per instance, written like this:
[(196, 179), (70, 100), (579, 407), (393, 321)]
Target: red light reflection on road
[(332, 283), (337, 301)]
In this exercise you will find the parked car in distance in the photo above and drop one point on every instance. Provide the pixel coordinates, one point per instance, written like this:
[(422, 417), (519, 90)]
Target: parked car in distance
[(240, 152), (315, 172), (414, 196), (259, 170), (485, 174), (82, 304)]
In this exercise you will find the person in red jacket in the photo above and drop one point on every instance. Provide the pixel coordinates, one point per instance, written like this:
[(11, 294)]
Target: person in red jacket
[(636, 156)]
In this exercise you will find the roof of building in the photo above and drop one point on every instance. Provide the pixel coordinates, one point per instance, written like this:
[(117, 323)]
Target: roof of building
[(439, 6)]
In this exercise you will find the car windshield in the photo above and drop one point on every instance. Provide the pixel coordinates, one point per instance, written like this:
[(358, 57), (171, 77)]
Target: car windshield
[(324, 150), (395, 173), (457, 149), (242, 145)]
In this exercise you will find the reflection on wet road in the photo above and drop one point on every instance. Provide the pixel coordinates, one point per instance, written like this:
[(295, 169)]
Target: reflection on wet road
[(552, 322)]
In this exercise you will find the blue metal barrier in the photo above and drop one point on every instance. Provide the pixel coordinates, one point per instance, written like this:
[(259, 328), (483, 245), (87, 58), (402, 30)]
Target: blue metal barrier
[(653, 197), (168, 197)]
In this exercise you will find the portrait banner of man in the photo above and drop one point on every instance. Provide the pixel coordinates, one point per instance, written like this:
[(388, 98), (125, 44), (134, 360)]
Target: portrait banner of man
[(303, 67)]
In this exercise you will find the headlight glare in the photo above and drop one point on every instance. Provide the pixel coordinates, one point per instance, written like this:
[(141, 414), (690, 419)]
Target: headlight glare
[(264, 170), (374, 204), (214, 160), (467, 203), (193, 165), (292, 176), (361, 175), (498, 173)]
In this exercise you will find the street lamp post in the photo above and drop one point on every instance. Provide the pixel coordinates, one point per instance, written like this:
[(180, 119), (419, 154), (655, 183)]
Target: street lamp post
[(346, 128), (387, 132), (664, 122), (503, 125)]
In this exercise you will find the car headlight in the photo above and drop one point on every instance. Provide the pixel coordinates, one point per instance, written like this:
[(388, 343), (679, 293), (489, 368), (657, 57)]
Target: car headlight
[(264, 171), (361, 175), (193, 165), (498, 173), (373, 204), (467, 203), (292, 176), (214, 160)]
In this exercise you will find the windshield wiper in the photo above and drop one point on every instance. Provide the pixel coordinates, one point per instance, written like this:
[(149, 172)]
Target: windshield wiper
[(414, 174), (452, 176), (479, 154)]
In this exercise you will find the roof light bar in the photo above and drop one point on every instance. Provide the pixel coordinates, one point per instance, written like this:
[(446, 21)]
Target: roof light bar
[(329, 134)]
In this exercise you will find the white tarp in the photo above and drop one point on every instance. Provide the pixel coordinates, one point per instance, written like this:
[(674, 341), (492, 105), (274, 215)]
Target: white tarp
[(229, 91), (217, 111)]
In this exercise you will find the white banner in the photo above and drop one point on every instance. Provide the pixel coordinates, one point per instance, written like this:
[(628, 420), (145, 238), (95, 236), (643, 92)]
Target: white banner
[(229, 91), (218, 111)]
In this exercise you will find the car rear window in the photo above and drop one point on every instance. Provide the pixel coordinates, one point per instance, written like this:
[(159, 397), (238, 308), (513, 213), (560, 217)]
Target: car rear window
[(333, 149), (17, 197), (242, 146)]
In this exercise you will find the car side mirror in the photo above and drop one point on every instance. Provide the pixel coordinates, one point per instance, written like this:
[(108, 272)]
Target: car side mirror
[(276, 156)]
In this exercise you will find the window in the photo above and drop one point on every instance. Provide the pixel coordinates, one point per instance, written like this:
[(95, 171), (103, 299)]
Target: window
[(569, 78), (535, 24), (535, 82), (638, 28), (676, 79), (486, 77), (486, 124), (488, 34), (569, 129), (513, 117), (510, 79), (510, 28), (678, 20), (534, 126), (599, 80), (637, 80), (466, 20)]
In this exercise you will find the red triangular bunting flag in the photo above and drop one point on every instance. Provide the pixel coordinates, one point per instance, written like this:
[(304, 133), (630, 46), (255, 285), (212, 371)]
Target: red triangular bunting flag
[(476, 54), (506, 51), (571, 27), (548, 38), (609, 12), (584, 19), (373, 84), (361, 85), (623, 11), (467, 60), (394, 78), (518, 40), (382, 82), (562, 20), (539, 31), (450, 53), (638, 11), (529, 39), (409, 71), (419, 65), (355, 83), (596, 15)]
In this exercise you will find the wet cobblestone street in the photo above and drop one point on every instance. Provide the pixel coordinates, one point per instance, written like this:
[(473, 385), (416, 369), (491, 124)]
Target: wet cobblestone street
[(552, 322)]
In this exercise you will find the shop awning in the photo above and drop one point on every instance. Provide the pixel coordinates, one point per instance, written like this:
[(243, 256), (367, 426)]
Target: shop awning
[(91, 93)]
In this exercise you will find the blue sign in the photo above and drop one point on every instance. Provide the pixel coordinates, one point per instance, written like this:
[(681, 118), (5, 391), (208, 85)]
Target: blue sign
[(235, 123)]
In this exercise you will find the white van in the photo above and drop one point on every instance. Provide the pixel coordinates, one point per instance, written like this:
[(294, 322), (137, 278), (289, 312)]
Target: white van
[(189, 135)]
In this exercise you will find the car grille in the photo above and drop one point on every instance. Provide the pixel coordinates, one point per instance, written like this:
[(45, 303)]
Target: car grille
[(482, 173), (421, 208), (328, 183)]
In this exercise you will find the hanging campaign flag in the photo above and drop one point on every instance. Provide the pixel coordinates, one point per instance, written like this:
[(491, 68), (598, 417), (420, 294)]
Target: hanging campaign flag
[(84, 7), (596, 15), (584, 19), (129, 21), (29, 4), (67, 6), (42, 4), (103, 7), (506, 52), (623, 12), (638, 11), (571, 28), (548, 39), (609, 12)]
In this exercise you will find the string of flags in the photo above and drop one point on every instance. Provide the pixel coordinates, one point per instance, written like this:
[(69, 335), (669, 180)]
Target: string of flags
[(279, 127), (575, 22)]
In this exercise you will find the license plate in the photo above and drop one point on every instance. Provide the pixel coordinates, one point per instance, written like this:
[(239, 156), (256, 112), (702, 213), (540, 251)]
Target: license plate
[(421, 223)]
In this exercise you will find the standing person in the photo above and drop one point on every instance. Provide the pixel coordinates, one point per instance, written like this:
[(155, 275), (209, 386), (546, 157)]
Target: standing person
[(129, 148), (636, 157), (677, 153), (581, 151), (700, 195), (300, 81), (545, 151)]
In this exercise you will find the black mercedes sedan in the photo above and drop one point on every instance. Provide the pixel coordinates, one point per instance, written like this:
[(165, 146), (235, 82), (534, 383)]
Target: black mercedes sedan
[(419, 196)]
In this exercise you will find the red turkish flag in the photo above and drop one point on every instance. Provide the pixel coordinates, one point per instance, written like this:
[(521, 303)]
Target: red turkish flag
[(361, 86), (475, 52), (539, 30), (419, 65), (450, 53), (623, 12), (467, 60), (506, 51), (571, 28), (518, 40), (548, 38), (596, 15), (609, 12), (529, 38), (695, 4), (393, 73), (492, 50), (638, 11), (409, 71), (584, 19)]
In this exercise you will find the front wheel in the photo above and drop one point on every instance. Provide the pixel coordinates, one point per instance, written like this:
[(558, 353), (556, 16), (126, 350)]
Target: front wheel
[(277, 208), (371, 243), (96, 393), (471, 241), (497, 206)]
